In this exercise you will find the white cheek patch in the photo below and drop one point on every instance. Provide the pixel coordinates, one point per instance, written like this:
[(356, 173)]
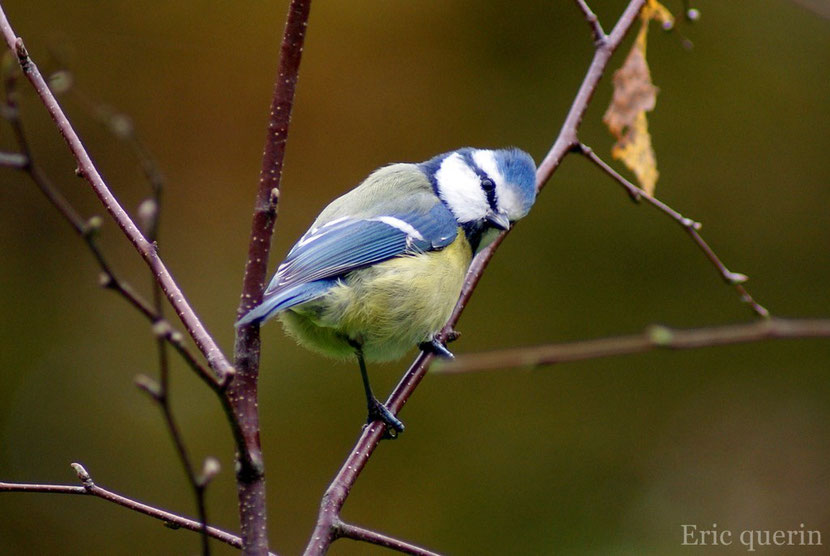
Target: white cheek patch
[(509, 202), (399, 224), (506, 199), (460, 188)]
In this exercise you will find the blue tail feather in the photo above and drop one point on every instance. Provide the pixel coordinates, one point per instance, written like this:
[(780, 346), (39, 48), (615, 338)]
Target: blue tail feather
[(279, 301)]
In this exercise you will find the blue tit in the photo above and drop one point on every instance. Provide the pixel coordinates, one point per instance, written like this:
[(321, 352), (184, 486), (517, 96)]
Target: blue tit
[(381, 268)]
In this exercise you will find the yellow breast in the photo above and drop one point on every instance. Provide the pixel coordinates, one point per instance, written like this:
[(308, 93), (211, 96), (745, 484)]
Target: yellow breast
[(388, 308)]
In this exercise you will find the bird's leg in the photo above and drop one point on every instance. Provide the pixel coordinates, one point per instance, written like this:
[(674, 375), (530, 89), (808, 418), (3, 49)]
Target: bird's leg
[(437, 348), (377, 411)]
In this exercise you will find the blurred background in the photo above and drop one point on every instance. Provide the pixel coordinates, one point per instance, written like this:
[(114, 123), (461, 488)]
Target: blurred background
[(600, 457)]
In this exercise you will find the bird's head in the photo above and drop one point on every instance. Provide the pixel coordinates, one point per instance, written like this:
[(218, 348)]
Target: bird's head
[(484, 189)]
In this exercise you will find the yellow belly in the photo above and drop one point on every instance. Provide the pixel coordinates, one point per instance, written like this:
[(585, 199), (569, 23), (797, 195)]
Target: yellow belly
[(388, 308)]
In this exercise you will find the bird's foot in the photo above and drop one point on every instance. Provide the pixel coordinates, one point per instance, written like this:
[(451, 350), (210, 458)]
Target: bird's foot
[(435, 347), (379, 412)]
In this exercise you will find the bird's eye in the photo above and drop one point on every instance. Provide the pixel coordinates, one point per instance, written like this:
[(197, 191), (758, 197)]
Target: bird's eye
[(487, 185)]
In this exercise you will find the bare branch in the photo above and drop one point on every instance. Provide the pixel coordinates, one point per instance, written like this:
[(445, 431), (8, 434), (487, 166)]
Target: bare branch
[(653, 337), (242, 393), (89, 488), (690, 226), (337, 492), (88, 171), (593, 22), (354, 532), (88, 230)]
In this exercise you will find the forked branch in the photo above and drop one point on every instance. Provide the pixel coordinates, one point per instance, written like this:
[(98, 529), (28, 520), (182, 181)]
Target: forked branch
[(89, 488), (86, 169)]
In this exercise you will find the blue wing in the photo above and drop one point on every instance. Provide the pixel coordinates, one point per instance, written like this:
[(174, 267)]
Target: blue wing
[(338, 247)]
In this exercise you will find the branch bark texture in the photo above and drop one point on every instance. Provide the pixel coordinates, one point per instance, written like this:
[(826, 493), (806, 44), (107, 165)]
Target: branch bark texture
[(242, 392)]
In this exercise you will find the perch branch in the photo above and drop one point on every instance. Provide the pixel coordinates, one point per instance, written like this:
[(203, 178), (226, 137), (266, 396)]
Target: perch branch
[(690, 226), (242, 393), (89, 488), (88, 171), (335, 496), (653, 337)]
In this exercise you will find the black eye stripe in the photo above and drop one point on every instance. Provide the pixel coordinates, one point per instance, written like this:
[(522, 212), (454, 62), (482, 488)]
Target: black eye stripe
[(486, 182), (489, 188)]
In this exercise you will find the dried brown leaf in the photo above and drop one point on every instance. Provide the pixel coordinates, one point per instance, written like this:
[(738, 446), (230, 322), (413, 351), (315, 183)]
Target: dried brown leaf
[(634, 95)]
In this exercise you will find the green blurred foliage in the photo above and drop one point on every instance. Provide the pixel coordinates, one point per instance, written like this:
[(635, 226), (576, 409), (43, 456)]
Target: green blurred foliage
[(605, 456)]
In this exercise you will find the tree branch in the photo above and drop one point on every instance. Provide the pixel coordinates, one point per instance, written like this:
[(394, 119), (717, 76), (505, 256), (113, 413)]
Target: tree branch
[(335, 496), (88, 171), (88, 230), (690, 226), (89, 488), (653, 337), (242, 393), (354, 532)]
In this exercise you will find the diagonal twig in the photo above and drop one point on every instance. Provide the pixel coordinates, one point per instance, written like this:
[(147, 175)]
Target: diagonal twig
[(87, 230), (357, 533), (338, 491), (690, 226), (86, 169), (653, 337)]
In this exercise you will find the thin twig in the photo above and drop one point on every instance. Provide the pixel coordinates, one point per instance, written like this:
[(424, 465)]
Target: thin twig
[(335, 496), (653, 337), (86, 169), (89, 488), (162, 329), (242, 393), (593, 21), (87, 230), (161, 395), (690, 226), (357, 533)]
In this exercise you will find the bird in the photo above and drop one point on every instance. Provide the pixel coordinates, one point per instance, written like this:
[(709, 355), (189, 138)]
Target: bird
[(381, 268)]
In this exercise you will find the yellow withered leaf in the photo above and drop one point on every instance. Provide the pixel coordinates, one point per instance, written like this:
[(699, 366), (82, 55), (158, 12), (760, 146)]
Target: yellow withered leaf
[(634, 95)]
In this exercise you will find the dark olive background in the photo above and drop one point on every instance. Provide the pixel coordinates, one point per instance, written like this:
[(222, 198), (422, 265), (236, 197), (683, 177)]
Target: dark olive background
[(600, 457)]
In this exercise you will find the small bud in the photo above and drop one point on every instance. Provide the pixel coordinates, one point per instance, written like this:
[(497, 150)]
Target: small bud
[(660, 335), (693, 14), (147, 213), (210, 468), (60, 82), (735, 278), (148, 385), (93, 225), (668, 24), (83, 474), (161, 328), (121, 125), (105, 280)]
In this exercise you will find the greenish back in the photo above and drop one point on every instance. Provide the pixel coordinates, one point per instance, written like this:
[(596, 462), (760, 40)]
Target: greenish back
[(394, 189)]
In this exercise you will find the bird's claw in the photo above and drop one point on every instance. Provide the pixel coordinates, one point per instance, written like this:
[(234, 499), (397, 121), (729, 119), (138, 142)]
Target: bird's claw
[(379, 412), (437, 348)]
